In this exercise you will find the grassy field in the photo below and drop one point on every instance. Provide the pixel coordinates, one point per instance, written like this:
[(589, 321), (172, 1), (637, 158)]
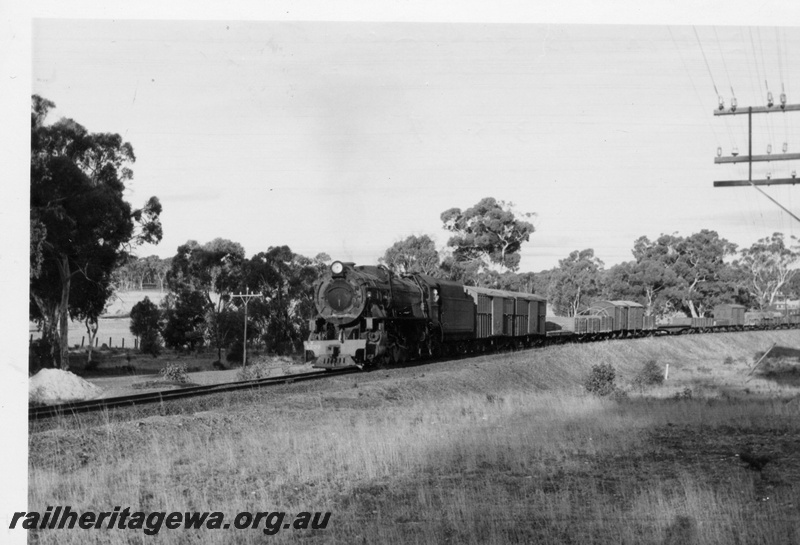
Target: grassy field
[(505, 448)]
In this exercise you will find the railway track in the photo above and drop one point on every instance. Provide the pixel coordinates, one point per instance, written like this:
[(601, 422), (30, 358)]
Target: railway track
[(63, 409)]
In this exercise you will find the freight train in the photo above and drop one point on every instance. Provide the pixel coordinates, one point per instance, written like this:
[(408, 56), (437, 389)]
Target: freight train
[(368, 315)]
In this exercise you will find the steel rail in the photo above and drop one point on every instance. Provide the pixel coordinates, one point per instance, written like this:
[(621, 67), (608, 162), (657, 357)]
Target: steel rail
[(48, 411)]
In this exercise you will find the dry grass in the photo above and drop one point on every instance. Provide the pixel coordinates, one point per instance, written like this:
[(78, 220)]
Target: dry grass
[(497, 449)]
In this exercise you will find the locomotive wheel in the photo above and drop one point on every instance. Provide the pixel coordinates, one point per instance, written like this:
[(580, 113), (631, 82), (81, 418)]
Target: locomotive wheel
[(398, 354), (436, 347)]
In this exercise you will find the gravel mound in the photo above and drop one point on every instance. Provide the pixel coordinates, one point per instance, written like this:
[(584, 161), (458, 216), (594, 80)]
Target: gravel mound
[(53, 386)]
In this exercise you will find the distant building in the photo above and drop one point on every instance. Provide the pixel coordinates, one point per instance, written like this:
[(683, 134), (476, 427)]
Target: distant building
[(782, 306)]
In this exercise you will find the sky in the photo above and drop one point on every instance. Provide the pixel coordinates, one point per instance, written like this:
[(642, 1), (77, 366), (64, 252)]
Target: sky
[(343, 127), (346, 137)]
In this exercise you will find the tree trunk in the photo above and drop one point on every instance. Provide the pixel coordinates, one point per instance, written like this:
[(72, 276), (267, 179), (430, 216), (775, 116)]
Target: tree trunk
[(650, 295), (49, 327), (576, 304), (62, 313), (91, 330)]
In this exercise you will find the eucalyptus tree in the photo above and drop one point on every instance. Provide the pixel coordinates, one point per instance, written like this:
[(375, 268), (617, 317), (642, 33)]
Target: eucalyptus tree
[(413, 254), (286, 280), (201, 280), (691, 272), (576, 281), (489, 233), (81, 225), (768, 266)]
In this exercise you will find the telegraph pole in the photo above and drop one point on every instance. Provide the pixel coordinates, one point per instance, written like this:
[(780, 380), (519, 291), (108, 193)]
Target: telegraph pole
[(246, 298), (750, 158)]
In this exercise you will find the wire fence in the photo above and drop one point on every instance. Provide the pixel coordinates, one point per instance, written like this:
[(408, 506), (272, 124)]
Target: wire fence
[(111, 332)]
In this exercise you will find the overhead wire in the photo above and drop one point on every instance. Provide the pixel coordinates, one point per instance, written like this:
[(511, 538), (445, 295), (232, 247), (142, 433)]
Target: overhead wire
[(691, 80), (725, 65), (714, 85), (719, 96)]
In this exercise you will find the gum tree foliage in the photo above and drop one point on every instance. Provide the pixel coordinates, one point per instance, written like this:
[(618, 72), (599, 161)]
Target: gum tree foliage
[(791, 289), (645, 282), (280, 319), (489, 234), (575, 282), (200, 282), (542, 281), (471, 274), (690, 273), (145, 316), (510, 281), (767, 267), (184, 319), (135, 272), (146, 323), (81, 226), (414, 254)]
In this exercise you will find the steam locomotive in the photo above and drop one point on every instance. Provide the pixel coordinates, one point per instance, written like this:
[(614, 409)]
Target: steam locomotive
[(368, 315)]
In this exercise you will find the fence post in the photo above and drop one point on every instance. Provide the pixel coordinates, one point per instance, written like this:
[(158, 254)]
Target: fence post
[(109, 342), (136, 343), (123, 342), (96, 341)]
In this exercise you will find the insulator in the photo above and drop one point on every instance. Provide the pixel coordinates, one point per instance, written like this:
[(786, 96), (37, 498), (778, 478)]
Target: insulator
[(783, 100), (769, 149), (719, 151), (794, 174), (733, 104), (769, 175), (785, 147), (735, 151), (721, 103), (770, 100)]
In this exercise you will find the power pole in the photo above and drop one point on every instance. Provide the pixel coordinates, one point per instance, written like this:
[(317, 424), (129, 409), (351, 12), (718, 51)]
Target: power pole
[(750, 158), (246, 298)]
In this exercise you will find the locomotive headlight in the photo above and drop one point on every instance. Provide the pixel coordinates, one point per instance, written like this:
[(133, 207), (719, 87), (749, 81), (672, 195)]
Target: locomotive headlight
[(337, 267)]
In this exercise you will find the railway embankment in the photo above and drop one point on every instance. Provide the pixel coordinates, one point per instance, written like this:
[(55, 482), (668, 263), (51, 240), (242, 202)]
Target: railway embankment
[(498, 448)]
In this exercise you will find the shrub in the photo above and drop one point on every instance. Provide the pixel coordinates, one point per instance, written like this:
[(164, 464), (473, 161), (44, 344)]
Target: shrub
[(175, 372), (650, 375), (728, 360), (145, 317), (235, 353), (685, 394), (151, 343), (600, 380), (253, 371), (39, 356)]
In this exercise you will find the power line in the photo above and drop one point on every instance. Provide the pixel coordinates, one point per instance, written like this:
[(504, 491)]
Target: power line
[(691, 80), (724, 65), (710, 74), (714, 84)]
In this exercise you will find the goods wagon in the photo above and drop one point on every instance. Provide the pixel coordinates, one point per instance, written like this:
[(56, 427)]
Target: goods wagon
[(729, 315), (627, 317)]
